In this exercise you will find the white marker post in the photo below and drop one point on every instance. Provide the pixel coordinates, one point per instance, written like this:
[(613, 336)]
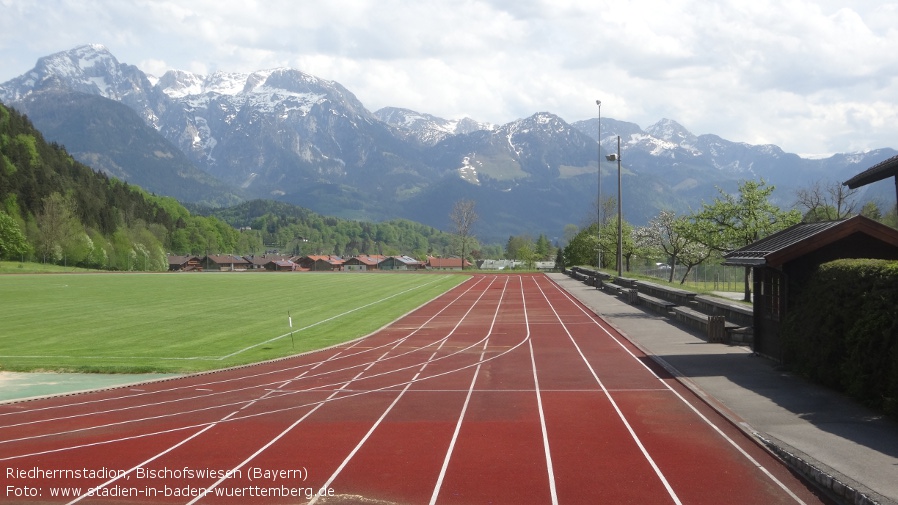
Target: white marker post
[(290, 322)]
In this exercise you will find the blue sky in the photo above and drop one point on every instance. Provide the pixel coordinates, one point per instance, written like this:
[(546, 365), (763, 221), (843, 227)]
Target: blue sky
[(812, 77)]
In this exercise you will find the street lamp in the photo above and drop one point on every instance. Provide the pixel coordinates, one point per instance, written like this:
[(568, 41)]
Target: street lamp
[(599, 201), (620, 242)]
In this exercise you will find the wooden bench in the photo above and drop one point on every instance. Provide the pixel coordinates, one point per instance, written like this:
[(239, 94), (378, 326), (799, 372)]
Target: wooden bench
[(680, 296), (656, 304), (733, 311), (625, 282), (714, 327), (740, 335)]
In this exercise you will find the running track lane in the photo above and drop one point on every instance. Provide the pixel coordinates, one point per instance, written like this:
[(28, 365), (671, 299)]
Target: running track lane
[(503, 390)]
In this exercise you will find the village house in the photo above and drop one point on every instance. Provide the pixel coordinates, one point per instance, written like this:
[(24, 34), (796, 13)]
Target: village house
[(188, 263), (400, 263), (281, 265), (362, 263), (320, 263), (225, 263), (446, 263)]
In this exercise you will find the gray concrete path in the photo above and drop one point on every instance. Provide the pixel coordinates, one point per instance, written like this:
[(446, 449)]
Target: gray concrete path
[(823, 434)]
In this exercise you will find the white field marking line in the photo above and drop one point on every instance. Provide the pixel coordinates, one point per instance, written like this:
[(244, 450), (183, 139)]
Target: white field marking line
[(701, 416), (620, 414), (171, 448), (157, 417), (464, 408), (333, 396), (274, 411), (377, 423), (377, 302), (93, 490), (295, 407), (539, 403), (227, 391), (151, 434), (218, 358), (288, 429), (267, 412), (232, 379)]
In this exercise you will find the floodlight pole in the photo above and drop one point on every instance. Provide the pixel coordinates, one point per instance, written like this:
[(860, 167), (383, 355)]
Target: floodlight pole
[(599, 201), (620, 235)]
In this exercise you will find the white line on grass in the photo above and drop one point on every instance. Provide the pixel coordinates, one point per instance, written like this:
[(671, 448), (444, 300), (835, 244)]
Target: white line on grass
[(328, 319)]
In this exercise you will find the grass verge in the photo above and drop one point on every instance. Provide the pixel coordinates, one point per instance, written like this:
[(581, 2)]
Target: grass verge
[(177, 322)]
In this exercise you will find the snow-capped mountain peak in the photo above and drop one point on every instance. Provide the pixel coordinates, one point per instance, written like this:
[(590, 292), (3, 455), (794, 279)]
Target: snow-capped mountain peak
[(89, 68), (673, 132), (426, 128)]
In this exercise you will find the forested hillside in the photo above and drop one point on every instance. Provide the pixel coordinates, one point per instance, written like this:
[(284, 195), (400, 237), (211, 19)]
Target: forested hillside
[(296, 230), (54, 209)]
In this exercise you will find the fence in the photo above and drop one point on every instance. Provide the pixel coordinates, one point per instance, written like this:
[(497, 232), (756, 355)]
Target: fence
[(710, 277)]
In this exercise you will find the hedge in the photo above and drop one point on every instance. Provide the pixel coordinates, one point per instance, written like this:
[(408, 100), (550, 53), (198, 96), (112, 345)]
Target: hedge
[(842, 331)]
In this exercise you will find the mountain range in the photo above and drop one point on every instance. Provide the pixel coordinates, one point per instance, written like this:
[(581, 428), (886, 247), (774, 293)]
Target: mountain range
[(282, 134)]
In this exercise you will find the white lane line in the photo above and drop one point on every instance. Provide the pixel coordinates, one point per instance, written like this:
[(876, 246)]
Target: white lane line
[(179, 444), (620, 414), (92, 491), (539, 403), (268, 412), (364, 439), (234, 390), (464, 409), (667, 386), (215, 382), (261, 449), (335, 393)]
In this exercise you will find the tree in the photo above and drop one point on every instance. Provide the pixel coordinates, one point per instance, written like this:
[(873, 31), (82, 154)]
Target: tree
[(544, 249), (827, 201), (731, 221), (672, 236), (463, 217), (629, 248), (515, 244), (12, 240), (582, 248), (57, 226)]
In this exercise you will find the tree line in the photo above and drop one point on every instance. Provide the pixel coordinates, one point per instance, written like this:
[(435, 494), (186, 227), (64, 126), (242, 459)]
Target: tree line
[(728, 223)]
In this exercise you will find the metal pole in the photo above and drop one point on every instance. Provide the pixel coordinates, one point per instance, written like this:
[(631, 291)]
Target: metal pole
[(620, 242), (599, 199)]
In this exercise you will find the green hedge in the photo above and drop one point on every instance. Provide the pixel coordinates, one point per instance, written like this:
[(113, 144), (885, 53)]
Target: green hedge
[(843, 331)]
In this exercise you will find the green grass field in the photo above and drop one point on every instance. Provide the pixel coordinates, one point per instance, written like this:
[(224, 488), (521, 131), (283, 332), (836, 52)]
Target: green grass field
[(176, 322)]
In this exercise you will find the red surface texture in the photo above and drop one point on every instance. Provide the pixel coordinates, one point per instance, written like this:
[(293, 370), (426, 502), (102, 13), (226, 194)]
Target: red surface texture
[(504, 390)]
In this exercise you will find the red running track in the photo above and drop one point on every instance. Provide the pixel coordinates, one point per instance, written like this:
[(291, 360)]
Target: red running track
[(503, 390)]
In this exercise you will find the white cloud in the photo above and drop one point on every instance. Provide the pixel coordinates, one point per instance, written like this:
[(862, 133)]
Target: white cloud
[(810, 76)]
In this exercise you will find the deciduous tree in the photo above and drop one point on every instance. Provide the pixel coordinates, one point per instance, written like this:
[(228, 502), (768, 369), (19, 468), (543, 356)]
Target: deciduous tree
[(463, 217), (735, 221)]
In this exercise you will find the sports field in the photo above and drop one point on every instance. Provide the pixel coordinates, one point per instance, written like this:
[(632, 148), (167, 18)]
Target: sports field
[(139, 323)]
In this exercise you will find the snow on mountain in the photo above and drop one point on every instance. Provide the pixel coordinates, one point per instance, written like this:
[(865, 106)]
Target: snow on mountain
[(285, 133), (428, 129), (89, 69)]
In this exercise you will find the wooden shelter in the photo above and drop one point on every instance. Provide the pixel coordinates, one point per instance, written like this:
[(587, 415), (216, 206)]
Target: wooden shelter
[(782, 263), (878, 172)]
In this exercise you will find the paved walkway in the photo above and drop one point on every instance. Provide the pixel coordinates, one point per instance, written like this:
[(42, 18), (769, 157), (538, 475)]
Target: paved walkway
[(851, 450)]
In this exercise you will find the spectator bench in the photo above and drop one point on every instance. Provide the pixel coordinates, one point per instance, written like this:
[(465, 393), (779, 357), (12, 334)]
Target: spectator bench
[(717, 328)]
